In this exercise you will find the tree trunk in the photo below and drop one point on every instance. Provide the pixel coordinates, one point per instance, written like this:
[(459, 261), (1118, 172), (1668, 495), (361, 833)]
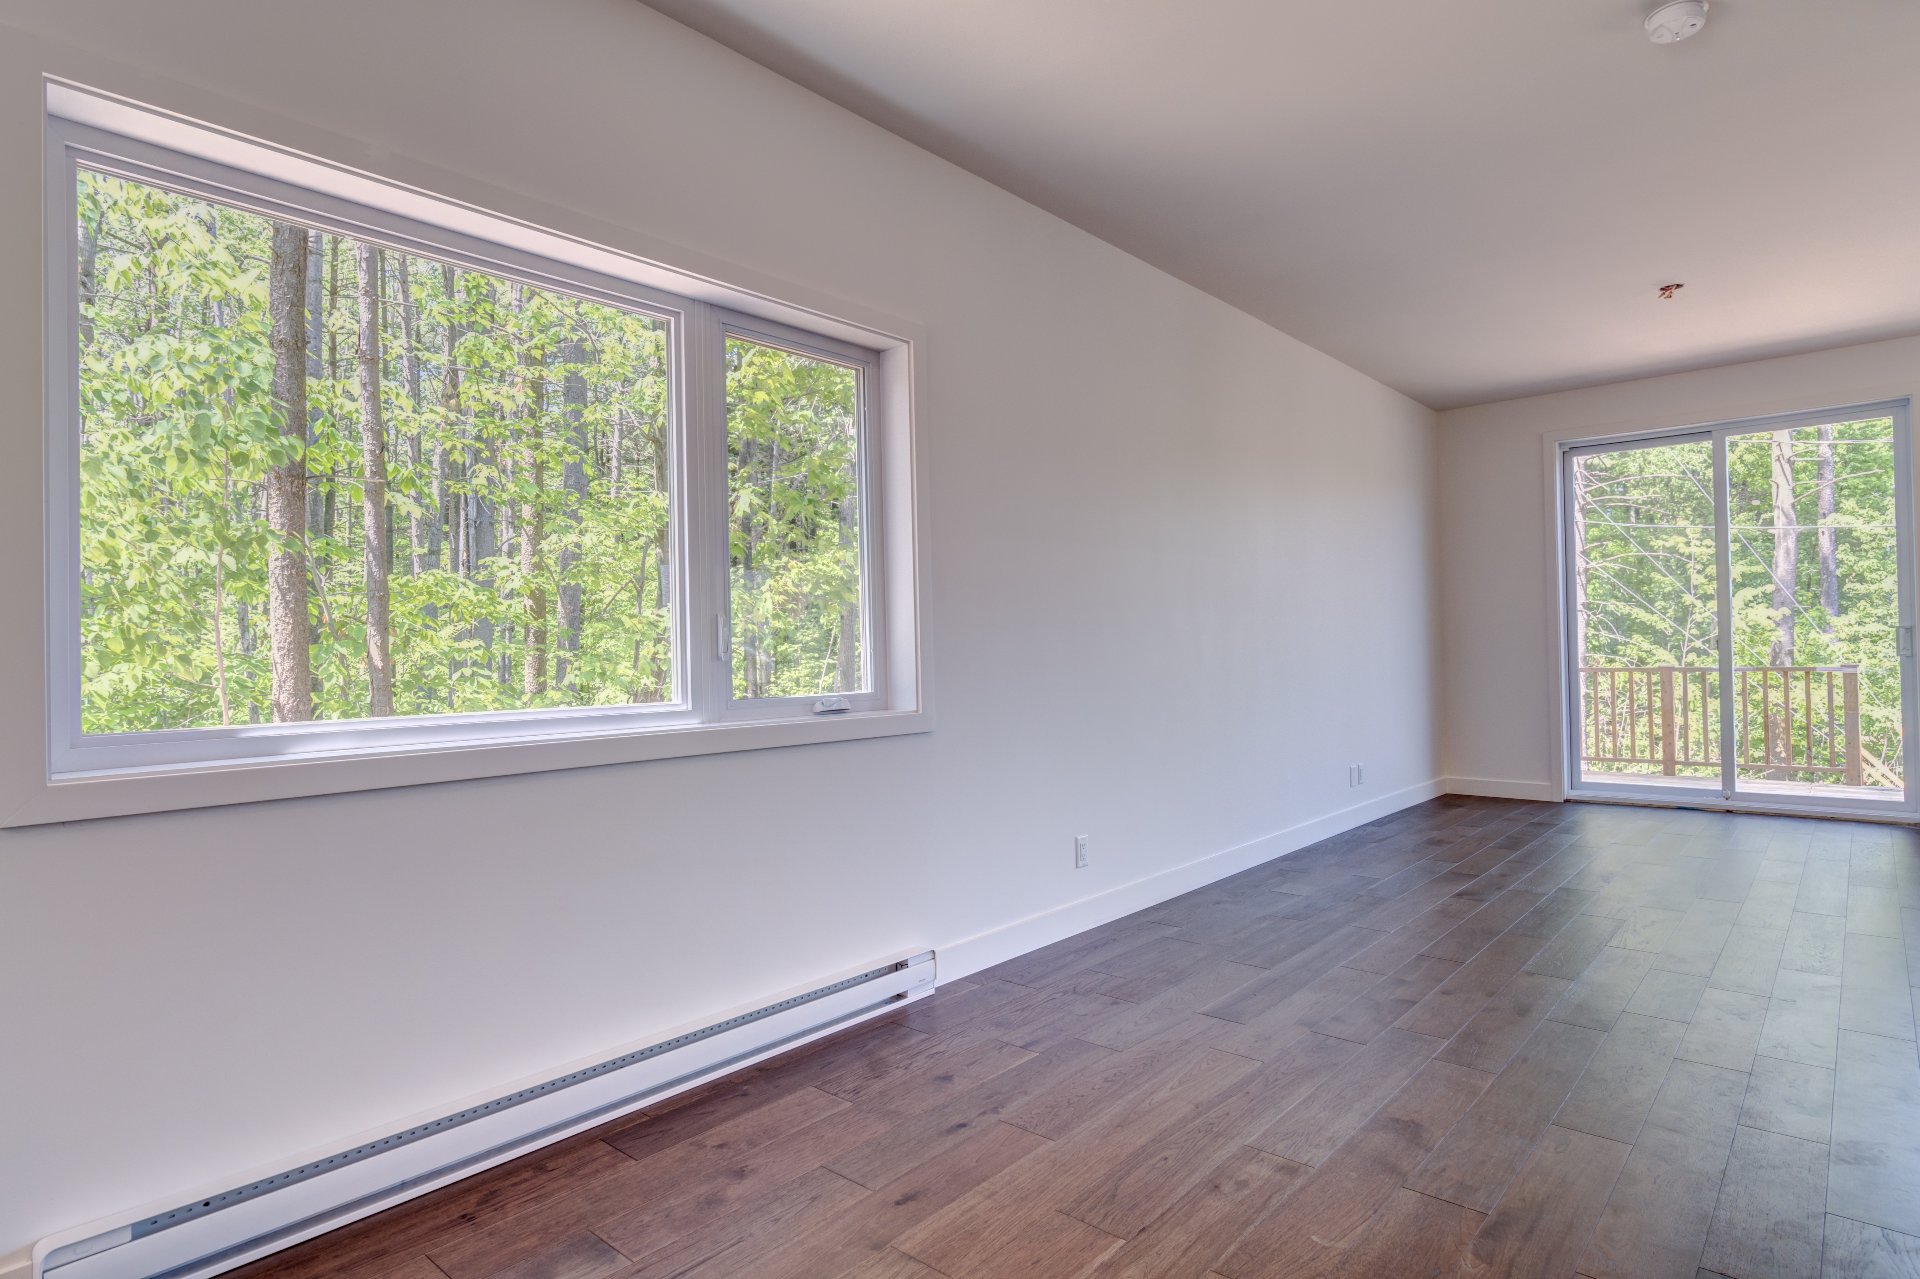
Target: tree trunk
[(1786, 572), (330, 516), (220, 638), (89, 287), (373, 491), (287, 623), (317, 310), (316, 302), (1829, 536), (574, 480), (614, 448), (410, 377), (1786, 550), (509, 475), (243, 624), (533, 391), (443, 520)]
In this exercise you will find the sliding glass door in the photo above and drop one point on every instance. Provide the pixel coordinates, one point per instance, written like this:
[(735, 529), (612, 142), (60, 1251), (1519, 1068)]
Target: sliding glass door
[(1643, 587), (1737, 616)]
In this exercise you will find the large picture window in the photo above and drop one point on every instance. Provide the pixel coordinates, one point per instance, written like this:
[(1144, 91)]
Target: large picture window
[(323, 480), (330, 480)]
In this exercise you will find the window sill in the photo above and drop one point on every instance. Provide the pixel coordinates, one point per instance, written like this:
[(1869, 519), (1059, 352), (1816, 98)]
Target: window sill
[(170, 788)]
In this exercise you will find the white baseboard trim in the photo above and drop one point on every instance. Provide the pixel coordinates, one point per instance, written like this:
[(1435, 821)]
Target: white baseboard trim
[(1501, 788), (984, 950)]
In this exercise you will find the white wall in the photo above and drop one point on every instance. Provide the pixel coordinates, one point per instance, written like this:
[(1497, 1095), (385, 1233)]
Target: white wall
[(1498, 607), (1180, 578)]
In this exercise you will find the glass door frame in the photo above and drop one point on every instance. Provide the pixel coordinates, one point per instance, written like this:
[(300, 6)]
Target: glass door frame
[(1729, 795)]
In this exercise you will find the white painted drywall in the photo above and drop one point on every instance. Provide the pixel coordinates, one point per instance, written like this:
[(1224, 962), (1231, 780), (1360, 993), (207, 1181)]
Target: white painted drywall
[(1180, 579), (1499, 626)]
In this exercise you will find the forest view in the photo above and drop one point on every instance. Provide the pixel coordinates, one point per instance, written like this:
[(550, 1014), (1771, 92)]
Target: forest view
[(323, 480), (1814, 594)]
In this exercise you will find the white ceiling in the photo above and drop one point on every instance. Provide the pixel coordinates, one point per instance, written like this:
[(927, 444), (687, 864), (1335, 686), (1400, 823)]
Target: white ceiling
[(1467, 199)]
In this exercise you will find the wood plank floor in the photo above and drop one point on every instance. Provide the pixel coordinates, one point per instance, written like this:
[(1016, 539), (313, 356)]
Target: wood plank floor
[(1479, 1037)]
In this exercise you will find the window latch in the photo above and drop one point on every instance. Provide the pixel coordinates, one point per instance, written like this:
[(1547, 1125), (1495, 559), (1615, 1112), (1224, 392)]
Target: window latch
[(831, 706)]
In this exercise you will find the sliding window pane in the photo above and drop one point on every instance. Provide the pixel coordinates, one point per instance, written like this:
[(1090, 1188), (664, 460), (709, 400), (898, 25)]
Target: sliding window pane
[(793, 495), (1816, 596), (1643, 587), (326, 480)]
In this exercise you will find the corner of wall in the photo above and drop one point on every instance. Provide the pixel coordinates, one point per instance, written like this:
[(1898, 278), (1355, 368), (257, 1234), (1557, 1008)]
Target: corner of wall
[(983, 950), (1438, 747), (1501, 788)]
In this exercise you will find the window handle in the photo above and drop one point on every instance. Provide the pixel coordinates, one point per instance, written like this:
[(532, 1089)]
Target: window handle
[(831, 706)]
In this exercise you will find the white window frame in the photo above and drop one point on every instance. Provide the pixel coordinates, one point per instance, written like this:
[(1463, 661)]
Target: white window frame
[(106, 774), (867, 447), (1729, 795)]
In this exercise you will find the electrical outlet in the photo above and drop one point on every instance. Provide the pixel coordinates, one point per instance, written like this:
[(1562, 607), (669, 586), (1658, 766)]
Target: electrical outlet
[(1356, 774), (1080, 852)]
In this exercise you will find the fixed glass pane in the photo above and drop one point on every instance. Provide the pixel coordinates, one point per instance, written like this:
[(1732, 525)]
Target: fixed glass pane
[(1816, 607), (324, 480), (1643, 585), (793, 506)]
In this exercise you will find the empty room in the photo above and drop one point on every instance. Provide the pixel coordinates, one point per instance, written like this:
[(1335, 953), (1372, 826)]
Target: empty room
[(1024, 639)]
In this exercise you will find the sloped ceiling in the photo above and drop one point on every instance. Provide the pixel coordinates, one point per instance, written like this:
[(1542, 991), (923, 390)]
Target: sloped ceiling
[(1468, 199)]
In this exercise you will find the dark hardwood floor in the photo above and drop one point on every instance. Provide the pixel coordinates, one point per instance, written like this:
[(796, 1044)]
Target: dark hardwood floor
[(1479, 1037)]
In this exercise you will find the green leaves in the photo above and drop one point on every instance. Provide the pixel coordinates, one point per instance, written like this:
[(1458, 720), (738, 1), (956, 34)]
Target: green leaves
[(1650, 564), (793, 527), (180, 430)]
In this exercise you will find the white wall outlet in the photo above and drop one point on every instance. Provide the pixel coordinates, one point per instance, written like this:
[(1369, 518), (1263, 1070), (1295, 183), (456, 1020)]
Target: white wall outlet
[(1079, 852), (1356, 774)]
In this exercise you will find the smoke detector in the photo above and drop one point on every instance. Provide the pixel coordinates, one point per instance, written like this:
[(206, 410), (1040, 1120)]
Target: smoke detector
[(1672, 23)]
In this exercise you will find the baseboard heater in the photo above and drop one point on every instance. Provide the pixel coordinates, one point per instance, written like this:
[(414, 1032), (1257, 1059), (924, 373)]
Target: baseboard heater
[(207, 1234)]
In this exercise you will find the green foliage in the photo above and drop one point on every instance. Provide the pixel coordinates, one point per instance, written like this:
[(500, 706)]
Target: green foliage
[(1649, 570), (526, 409), (791, 482)]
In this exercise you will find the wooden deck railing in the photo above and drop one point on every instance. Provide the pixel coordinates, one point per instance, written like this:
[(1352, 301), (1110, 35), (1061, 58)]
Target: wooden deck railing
[(1788, 720)]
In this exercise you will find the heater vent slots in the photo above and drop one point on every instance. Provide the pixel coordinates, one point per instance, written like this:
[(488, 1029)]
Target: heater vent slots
[(164, 1220), (206, 1235)]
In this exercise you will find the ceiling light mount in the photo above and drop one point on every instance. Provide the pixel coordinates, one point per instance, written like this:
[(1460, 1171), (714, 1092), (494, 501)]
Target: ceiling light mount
[(1674, 22)]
